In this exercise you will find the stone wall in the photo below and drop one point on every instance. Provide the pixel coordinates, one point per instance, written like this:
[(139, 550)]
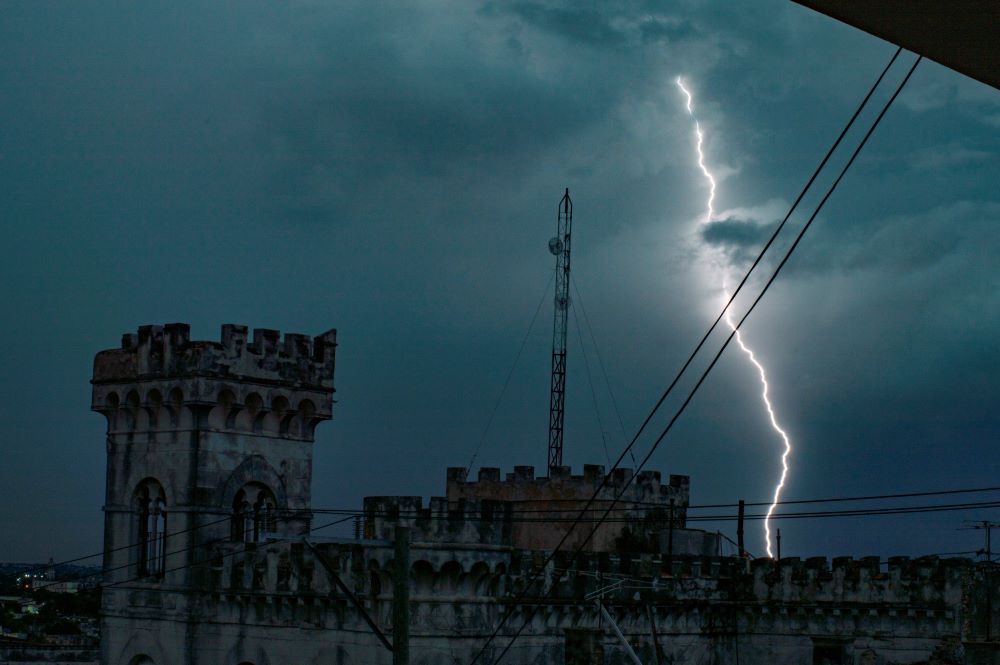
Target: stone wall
[(531, 512), (193, 426), (279, 598)]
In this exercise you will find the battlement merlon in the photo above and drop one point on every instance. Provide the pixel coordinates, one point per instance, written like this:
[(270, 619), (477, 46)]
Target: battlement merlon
[(645, 490), (288, 380), (168, 352)]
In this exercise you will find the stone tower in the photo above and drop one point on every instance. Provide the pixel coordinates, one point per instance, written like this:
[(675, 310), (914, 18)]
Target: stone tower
[(206, 442)]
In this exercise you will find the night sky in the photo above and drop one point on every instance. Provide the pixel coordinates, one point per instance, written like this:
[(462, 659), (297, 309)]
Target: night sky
[(393, 170)]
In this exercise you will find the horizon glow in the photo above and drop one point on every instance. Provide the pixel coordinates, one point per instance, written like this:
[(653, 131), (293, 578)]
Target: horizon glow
[(709, 214)]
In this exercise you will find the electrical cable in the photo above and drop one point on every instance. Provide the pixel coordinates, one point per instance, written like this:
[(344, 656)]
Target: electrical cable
[(209, 560), (725, 308), (561, 519), (690, 519), (712, 364), (169, 534), (50, 566), (787, 502)]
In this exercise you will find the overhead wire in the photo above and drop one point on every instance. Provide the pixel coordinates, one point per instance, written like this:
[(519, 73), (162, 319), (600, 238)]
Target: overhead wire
[(693, 519), (65, 562), (555, 516), (519, 511), (716, 358), (786, 502), (735, 328), (216, 557), (725, 308), (348, 515), (753, 305), (168, 535)]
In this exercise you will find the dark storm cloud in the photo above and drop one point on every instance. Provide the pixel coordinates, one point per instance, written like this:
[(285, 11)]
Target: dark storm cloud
[(954, 232), (470, 109), (580, 25), (733, 233), (393, 169), (426, 125), (602, 25), (665, 30), (958, 235)]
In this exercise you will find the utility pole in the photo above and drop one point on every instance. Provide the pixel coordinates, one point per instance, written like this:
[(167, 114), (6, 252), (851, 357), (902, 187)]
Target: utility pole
[(401, 598), (988, 526), (559, 245), (739, 530), (670, 540)]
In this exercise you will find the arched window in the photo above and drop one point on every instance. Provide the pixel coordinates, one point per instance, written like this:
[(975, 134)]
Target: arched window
[(151, 505), (254, 513)]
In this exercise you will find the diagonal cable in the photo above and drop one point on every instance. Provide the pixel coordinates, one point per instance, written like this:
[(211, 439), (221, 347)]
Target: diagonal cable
[(510, 373), (590, 382), (719, 354), (701, 343), (600, 362)]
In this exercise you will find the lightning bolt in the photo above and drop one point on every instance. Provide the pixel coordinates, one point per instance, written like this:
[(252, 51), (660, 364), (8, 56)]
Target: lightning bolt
[(709, 213), (777, 428), (709, 208)]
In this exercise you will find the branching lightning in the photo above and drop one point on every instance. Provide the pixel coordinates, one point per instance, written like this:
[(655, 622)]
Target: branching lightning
[(709, 214)]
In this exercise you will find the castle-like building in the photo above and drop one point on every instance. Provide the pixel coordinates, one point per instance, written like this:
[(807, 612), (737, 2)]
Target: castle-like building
[(210, 557)]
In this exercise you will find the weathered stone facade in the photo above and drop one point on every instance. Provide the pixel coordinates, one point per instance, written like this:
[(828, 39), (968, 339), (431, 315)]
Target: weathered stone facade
[(207, 442), (537, 514), (208, 514)]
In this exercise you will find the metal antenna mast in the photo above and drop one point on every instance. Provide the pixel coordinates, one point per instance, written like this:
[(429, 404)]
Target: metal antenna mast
[(559, 245)]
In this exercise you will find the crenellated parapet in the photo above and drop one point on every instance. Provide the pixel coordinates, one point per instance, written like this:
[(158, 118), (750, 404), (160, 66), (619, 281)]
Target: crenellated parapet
[(866, 580), (643, 491), (641, 508), (764, 597), (459, 593), (470, 521), (159, 379)]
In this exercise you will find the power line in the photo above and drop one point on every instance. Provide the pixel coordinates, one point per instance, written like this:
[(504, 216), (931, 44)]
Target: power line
[(53, 565), (787, 502), (715, 323), (690, 518), (520, 511), (169, 535), (725, 344), (554, 516), (903, 510), (214, 558), (861, 512), (870, 497)]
